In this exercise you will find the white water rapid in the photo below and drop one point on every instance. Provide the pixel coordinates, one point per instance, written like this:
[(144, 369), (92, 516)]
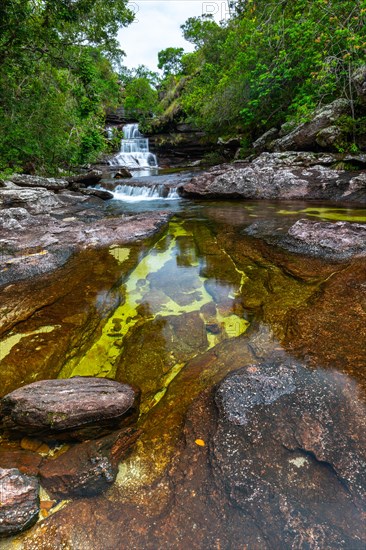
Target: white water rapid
[(134, 151), (135, 193)]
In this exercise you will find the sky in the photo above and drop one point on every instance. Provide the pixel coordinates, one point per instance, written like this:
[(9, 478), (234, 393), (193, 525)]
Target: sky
[(157, 26)]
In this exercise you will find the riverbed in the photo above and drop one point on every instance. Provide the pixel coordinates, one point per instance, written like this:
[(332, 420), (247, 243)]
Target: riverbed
[(173, 316)]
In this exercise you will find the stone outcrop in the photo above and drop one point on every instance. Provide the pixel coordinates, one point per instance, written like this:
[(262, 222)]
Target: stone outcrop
[(331, 241), (76, 408), (359, 81), (278, 177), (19, 507), (52, 184), (305, 136), (35, 201)]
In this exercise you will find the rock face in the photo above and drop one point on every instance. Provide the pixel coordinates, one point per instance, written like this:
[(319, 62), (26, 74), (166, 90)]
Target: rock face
[(289, 454), (305, 136), (359, 81), (335, 241), (100, 193), (75, 408), (19, 507), (90, 178), (278, 177)]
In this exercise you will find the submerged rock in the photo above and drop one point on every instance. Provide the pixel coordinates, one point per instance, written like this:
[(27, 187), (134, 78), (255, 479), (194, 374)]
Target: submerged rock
[(19, 507), (78, 408)]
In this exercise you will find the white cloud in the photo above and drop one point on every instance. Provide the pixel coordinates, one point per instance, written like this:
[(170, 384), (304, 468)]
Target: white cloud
[(157, 26)]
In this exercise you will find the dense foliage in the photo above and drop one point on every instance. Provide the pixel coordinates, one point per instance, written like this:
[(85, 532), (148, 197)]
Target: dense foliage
[(269, 63), (56, 80)]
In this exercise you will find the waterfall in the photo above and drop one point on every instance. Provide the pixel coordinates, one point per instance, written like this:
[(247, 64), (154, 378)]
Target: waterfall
[(134, 151), (134, 193)]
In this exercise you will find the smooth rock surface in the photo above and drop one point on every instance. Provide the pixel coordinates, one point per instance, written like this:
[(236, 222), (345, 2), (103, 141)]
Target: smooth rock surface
[(19, 507), (78, 407)]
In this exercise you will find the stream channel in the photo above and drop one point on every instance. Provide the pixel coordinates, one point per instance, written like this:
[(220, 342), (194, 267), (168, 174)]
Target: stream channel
[(174, 315)]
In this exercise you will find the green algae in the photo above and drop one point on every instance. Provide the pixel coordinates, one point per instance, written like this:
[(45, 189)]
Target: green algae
[(8, 343), (121, 254), (166, 282), (332, 214)]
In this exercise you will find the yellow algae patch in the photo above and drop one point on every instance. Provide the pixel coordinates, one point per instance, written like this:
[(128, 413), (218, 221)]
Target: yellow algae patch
[(8, 343), (200, 443), (119, 253), (333, 214)]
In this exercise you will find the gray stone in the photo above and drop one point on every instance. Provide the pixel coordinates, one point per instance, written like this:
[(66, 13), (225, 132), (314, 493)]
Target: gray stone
[(304, 136), (36, 201), (265, 140), (19, 507), (52, 184), (359, 81), (328, 137)]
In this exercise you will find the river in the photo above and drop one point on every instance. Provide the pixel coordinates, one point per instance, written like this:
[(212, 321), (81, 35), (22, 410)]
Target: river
[(174, 316)]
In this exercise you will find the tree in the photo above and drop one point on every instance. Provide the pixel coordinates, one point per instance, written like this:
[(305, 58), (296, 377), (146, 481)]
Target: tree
[(170, 61)]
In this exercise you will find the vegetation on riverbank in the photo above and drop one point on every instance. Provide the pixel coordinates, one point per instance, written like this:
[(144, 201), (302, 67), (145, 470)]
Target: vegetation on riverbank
[(57, 78), (270, 63)]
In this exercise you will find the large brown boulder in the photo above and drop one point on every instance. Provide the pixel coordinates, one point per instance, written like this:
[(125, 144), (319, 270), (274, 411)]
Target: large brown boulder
[(78, 408), (19, 506)]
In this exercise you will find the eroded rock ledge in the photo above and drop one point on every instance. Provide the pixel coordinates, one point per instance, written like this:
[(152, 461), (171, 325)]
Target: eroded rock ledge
[(280, 176)]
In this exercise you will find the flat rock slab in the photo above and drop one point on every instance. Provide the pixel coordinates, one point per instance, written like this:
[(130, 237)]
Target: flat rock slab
[(19, 502), (79, 407), (333, 241)]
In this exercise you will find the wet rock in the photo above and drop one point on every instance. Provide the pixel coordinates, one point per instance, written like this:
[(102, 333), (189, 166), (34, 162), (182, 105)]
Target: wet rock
[(280, 177), (19, 502), (88, 468), (99, 193), (335, 241), (35, 201), (75, 408), (39, 244), (123, 173), (293, 453), (26, 462), (90, 178), (304, 137), (52, 184)]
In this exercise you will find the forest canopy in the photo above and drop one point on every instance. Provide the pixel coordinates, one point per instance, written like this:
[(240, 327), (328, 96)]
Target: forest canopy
[(57, 78)]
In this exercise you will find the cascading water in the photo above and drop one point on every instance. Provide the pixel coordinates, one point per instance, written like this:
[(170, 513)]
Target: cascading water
[(134, 193), (134, 151)]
